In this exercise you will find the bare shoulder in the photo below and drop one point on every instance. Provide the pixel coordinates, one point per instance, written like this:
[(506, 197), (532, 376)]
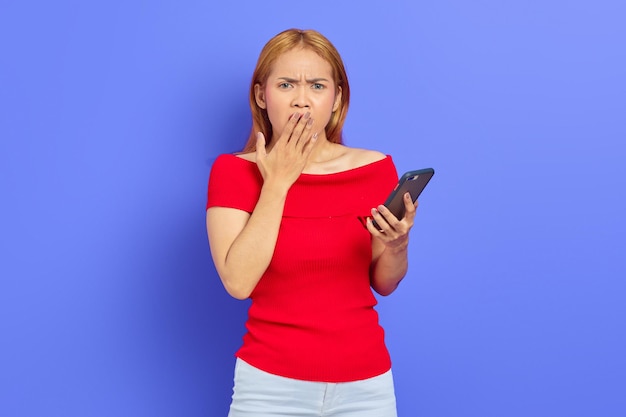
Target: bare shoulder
[(345, 158), (250, 156), (359, 157)]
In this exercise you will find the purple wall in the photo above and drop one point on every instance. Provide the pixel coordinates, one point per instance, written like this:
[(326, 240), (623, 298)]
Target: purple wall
[(112, 112)]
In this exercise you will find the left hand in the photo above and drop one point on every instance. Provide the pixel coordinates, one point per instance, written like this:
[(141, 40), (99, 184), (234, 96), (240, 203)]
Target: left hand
[(393, 233)]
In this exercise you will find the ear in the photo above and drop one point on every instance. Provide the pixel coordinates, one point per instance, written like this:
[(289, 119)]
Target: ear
[(259, 96), (337, 99)]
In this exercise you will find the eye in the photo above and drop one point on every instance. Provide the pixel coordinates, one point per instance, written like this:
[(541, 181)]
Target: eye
[(284, 85), (318, 86)]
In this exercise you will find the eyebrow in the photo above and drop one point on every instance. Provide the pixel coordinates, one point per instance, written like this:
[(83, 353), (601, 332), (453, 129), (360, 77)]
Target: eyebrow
[(310, 81)]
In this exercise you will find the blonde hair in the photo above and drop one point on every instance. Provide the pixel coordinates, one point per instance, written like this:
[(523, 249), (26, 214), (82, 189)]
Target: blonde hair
[(275, 47)]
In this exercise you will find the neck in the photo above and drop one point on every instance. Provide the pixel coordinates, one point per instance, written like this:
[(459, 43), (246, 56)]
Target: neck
[(323, 151)]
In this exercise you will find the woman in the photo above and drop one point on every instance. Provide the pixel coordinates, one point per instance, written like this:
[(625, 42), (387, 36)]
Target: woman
[(289, 222)]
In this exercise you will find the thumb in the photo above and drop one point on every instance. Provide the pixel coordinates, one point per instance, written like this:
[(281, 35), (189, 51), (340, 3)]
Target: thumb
[(260, 145)]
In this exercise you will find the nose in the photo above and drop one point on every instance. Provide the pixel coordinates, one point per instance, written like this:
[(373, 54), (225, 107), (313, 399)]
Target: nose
[(301, 98)]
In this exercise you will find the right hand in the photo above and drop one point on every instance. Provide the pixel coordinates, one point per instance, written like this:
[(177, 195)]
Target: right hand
[(284, 163)]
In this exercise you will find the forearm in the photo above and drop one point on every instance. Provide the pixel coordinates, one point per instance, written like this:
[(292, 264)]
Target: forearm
[(390, 246), (389, 269)]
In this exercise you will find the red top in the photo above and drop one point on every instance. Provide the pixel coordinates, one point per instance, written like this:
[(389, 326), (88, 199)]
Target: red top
[(312, 315)]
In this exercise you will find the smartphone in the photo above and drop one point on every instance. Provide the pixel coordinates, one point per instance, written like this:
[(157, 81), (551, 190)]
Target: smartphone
[(412, 182)]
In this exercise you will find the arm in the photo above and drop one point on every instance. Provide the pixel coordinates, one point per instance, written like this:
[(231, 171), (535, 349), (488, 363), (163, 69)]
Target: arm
[(242, 244), (390, 247)]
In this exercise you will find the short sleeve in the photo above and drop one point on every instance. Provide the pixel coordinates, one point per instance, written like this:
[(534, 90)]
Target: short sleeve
[(235, 183)]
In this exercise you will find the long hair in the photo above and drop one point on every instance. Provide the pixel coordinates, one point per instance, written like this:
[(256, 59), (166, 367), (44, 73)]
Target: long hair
[(274, 48)]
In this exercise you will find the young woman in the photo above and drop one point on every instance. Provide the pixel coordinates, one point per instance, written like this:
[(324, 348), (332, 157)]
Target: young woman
[(289, 222)]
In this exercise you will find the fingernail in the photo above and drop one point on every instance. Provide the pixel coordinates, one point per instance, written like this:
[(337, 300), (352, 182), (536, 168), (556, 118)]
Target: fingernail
[(314, 137), (309, 122), (306, 115), (294, 116)]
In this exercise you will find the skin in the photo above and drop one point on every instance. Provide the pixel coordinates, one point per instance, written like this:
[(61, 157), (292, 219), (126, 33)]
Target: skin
[(300, 97)]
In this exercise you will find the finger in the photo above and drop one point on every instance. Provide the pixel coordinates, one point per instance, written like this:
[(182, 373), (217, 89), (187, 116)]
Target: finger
[(394, 223), (308, 147), (409, 207), (289, 128), (300, 126), (374, 231), (381, 221), (260, 145), (306, 137)]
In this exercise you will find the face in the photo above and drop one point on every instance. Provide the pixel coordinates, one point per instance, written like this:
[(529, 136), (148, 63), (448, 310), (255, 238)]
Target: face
[(300, 81)]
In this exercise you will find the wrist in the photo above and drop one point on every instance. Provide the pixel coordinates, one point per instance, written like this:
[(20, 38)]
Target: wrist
[(275, 188), (398, 248)]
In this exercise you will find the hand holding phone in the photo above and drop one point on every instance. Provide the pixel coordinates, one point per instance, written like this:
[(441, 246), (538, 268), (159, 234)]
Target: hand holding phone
[(412, 182)]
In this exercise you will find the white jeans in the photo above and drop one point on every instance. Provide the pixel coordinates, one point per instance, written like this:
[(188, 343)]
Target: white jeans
[(261, 394)]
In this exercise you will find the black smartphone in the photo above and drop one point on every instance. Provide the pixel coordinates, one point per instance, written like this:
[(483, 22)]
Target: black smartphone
[(412, 182)]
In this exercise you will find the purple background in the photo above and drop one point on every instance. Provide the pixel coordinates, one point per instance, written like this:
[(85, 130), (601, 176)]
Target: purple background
[(112, 113)]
